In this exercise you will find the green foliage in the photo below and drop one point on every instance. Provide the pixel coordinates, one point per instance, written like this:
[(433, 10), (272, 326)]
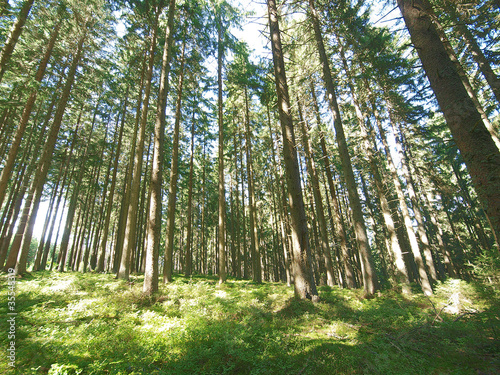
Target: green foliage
[(487, 267), (93, 324), (57, 369)]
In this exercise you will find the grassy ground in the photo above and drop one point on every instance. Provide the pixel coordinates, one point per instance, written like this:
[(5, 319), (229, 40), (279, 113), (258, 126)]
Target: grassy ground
[(75, 323)]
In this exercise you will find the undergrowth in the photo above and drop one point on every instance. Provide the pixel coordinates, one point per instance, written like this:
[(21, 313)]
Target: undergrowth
[(72, 323)]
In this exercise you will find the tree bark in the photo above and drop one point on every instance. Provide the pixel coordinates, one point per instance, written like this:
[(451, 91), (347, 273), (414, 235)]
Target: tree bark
[(304, 284), (477, 54), (45, 161), (281, 203), (350, 282), (102, 249), (131, 225), (221, 187), (254, 238), (475, 143), (154, 217), (189, 255), (63, 249), (401, 273), (370, 282), (21, 128), (174, 176), (318, 200), (15, 32), (465, 80)]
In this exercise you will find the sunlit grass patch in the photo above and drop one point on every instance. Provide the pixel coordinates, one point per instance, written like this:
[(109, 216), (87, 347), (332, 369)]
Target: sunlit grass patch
[(98, 325)]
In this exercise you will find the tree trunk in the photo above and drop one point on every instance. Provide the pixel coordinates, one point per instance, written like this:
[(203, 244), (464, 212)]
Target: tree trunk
[(27, 165), (237, 230), (15, 32), (129, 239), (465, 80), (281, 203), (475, 143), (318, 200), (370, 282), (254, 238), (304, 284), (448, 260), (102, 249), (221, 188), (125, 202), (189, 255), (21, 128), (415, 205), (337, 217), (71, 211), (424, 278), (48, 215), (43, 263), (45, 161), (174, 175), (478, 56), (154, 217)]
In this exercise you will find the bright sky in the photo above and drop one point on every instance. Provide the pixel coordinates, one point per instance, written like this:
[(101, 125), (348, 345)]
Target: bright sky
[(255, 25)]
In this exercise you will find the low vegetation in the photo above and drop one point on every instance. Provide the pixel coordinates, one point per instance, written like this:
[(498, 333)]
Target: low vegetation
[(73, 323)]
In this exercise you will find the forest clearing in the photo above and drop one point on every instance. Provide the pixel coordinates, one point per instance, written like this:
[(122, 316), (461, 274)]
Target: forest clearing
[(261, 187)]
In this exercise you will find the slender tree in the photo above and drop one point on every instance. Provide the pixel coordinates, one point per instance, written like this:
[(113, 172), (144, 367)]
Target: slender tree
[(174, 176), (154, 222), (370, 282), (304, 284), (15, 33)]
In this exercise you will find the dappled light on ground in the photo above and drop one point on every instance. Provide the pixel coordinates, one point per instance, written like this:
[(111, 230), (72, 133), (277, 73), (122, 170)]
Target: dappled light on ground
[(92, 324)]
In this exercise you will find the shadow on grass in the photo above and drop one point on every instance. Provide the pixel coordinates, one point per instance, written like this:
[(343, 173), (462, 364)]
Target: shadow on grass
[(343, 334)]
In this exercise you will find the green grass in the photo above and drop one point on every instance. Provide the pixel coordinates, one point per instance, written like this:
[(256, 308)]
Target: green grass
[(73, 323)]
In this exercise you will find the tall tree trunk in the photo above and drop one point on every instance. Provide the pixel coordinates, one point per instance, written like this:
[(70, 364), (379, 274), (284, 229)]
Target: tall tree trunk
[(304, 284), (424, 281), (15, 32), (401, 274), (465, 80), (478, 55), (443, 245), (337, 217), (254, 238), (281, 204), (318, 200), (102, 249), (238, 219), (45, 161), (475, 143), (63, 249), (410, 186), (21, 128), (370, 282), (221, 188), (43, 238), (202, 214), (94, 224), (27, 165), (174, 175), (154, 217), (189, 254), (43, 263), (125, 202), (131, 224), (243, 211)]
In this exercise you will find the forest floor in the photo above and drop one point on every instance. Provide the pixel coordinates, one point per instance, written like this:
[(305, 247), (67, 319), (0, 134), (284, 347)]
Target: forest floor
[(73, 323)]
